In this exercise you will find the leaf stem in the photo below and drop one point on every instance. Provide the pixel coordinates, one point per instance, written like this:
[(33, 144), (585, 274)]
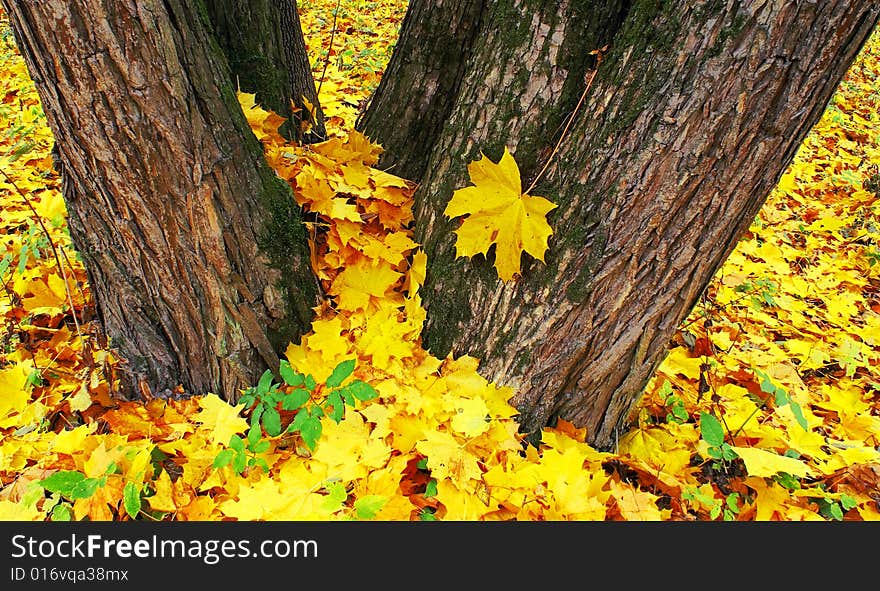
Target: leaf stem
[(329, 49), (592, 76)]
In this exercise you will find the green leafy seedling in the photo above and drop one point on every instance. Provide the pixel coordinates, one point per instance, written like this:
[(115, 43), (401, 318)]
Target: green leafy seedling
[(712, 433)]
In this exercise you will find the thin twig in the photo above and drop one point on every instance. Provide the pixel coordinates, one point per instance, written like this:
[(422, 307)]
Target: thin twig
[(571, 119), (52, 246), (329, 48)]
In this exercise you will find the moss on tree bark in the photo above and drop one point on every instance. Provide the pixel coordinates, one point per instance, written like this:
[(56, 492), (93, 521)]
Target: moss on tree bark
[(263, 42)]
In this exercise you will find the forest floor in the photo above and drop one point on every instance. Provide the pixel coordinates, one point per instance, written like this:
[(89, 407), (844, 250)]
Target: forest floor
[(767, 406)]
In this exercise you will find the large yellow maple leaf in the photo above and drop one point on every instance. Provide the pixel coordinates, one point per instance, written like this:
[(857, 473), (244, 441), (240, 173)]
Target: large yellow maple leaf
[(499, 213)]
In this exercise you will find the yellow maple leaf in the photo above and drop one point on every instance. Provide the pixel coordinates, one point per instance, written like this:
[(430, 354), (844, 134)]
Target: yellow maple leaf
[(13, 385), (384, 338), (678, 361), (220, 419), (447, 458), (499, 213), (470, 417), (772, 499), (19, 511), (81, 400), (362, 282), (321, 198), (163, 499), (263, 123), (200, 509), (635, 504), (658, 448), (415, 276), (760, 462)]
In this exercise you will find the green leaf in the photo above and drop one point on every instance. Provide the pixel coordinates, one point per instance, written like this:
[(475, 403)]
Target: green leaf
[(334, 402), (340, 372), (780, 397), (239, 462), (299, 420), (368, 506), (254, 435), (767, 385), (63, 481), (347, 397), (290, 376), (223, 458), (798, 413), (431, 488), (787, 480), (61, 512), (310, 383), (261, 446), (731, 501), (4, 264), (336, 496), (728, 453), (311, 432), (362, 390), (86, 488), (272, 422), (711, 430), (835, 511), (131, 499), (295, 399), (265, 382), (256, 414), (273, 397), (157, 457), (236, 443)]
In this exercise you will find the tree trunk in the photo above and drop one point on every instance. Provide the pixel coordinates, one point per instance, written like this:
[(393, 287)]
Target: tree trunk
[(694, 112), (444, 42), (196, 256), (427, 65), (263, 41)]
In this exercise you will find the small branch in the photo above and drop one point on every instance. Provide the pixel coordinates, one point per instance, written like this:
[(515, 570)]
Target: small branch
[(329, 49)]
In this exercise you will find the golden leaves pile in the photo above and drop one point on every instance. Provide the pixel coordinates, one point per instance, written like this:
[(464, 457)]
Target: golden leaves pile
[(782, 351)]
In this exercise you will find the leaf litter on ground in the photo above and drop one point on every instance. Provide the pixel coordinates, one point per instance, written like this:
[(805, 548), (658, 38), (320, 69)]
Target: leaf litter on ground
[(767, 406)]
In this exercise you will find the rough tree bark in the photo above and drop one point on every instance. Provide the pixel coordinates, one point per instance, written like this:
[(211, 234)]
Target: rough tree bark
[(196, 257), (263, 41), (438, 42), (433, 45), (693, 114)]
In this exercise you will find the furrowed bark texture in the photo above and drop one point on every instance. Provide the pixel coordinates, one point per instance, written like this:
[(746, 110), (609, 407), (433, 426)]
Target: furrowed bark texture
[(195, 252), (419, 86), (443, 43), (263, 41), (694, 113)]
